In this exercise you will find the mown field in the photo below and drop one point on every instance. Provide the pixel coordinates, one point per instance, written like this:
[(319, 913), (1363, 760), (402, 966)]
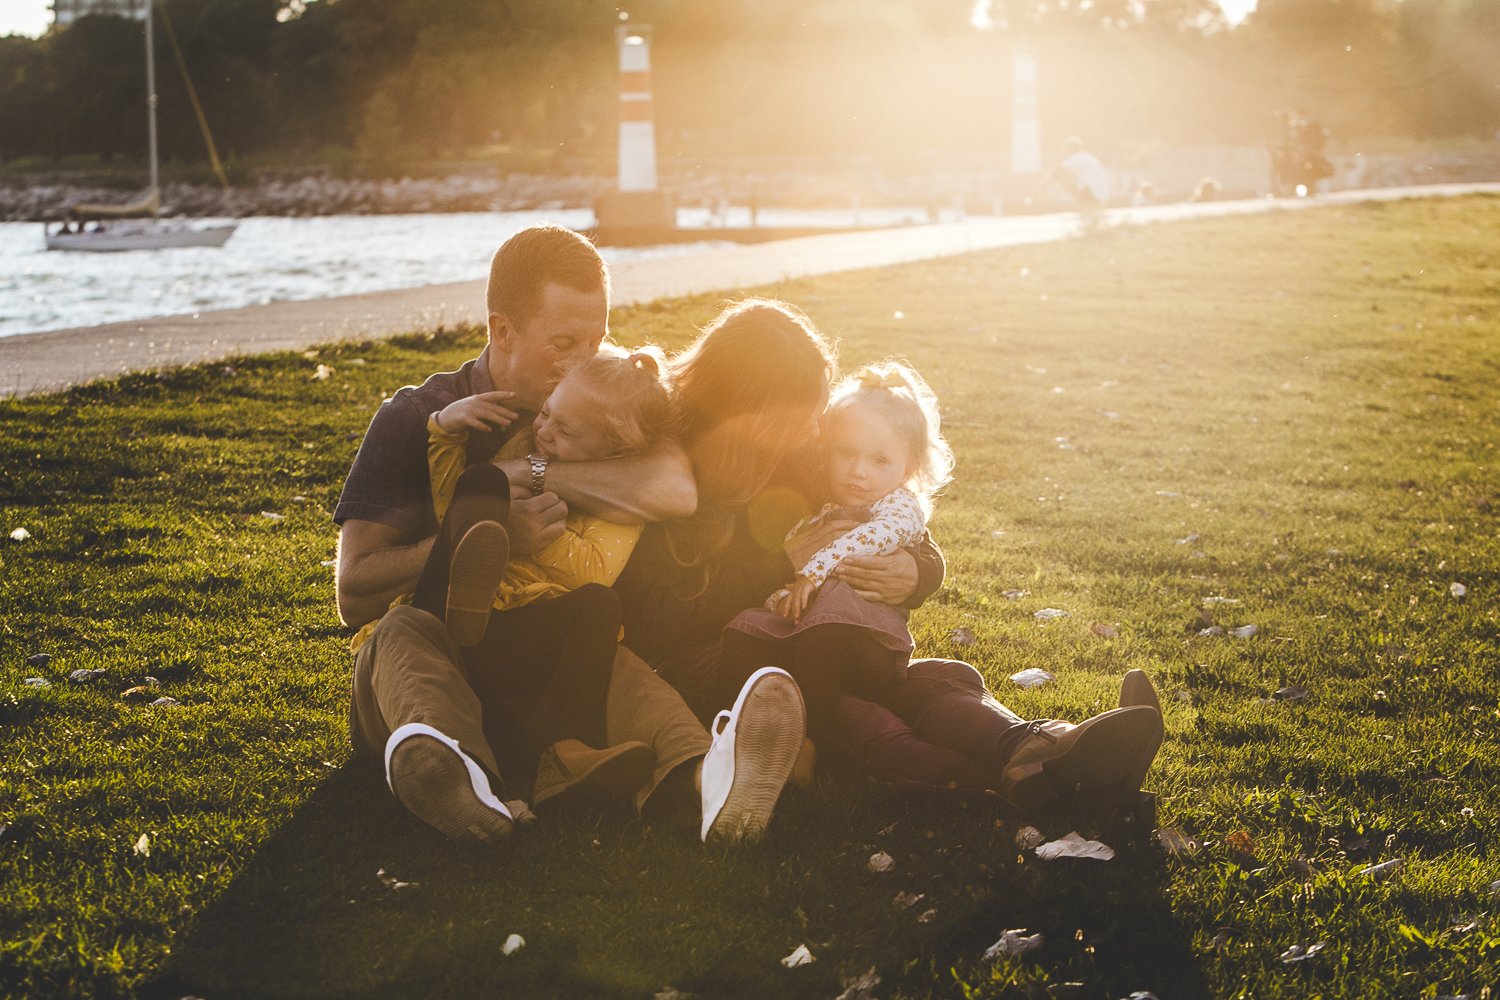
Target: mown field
[(1288, 422)]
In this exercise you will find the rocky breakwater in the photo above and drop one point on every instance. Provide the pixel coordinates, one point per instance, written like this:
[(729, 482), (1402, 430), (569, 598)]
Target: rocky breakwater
[(44, 199)]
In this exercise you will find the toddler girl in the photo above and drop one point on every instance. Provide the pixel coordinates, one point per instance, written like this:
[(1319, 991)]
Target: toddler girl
[(540, 631), (884, 460)]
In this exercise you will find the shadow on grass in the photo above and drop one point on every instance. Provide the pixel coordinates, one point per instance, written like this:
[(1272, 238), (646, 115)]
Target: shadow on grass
[(610, 908)]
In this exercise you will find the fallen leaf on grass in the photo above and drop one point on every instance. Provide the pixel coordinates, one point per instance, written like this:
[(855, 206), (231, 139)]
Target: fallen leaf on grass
[(1029, 837), (38, 659), (906, 900), (83, 675), (1142, 995), (1301, 953), (798, 958), (1188, 539), (326, 563), (1175, 842), (1215, 599), (1104, 631), (272, 516), (1241, 841), (962, 637), (1014, 595), (1031, 677), (20, 535), (1456, 589), (927, 916), (1210, 632), (512, 944), (1049, 614), (394, 884), (880, 862), (1014, 943), (164, 702), (1075, 846), (143, 845), (1244, 631), (860, 987), (1383, 869), (321, 373), (37, 682), (1292, 692), (673, 993)]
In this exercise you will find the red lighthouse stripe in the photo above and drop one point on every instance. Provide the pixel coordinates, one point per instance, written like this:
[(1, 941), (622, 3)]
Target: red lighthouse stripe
[(635, 80), (635, 109)]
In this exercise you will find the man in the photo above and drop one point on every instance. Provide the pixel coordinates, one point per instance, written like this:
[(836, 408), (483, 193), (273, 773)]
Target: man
[(547, 302)]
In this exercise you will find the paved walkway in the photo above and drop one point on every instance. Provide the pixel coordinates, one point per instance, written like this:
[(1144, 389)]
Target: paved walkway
[(41, 362)]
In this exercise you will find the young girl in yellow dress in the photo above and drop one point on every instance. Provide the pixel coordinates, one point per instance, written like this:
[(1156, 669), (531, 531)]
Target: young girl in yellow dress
[(539, 632)]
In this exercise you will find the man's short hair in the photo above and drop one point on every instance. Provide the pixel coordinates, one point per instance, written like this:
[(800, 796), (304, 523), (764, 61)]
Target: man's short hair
[(535, 258)]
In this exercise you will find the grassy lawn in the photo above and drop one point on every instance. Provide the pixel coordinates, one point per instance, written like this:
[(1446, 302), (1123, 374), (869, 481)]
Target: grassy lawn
[(1287, 421)]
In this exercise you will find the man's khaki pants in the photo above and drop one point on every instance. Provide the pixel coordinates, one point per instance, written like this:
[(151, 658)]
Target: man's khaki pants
[(410, 670)]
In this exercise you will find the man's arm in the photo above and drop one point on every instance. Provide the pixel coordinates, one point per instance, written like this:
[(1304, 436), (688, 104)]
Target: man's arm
[(637, 489), (377, 564)]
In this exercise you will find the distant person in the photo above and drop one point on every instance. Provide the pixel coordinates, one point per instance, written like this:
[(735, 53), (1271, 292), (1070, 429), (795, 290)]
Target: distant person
[(1082, 175), (414, 704), (1207, 189)]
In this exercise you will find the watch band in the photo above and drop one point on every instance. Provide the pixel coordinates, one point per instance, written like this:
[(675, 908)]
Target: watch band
[(538, 473)]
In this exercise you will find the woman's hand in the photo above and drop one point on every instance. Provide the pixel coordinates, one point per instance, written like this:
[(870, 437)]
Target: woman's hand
[(481, 412), (890, 579), (805, 544)]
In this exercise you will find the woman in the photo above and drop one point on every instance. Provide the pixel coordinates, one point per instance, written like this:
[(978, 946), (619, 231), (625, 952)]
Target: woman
[(750, 391)]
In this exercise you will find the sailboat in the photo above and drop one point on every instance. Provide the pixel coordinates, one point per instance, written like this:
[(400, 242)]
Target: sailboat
[(139, 226)]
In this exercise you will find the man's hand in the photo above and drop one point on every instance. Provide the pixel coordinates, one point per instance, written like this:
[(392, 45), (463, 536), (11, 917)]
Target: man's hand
[(535, 522), (481, 412), (888, 579), (805, 544)]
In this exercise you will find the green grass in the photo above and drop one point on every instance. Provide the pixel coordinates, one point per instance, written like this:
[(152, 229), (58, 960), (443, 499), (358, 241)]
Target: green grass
[(1312, 395)]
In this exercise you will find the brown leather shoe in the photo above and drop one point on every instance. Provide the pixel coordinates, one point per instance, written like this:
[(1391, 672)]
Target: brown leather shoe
[(572, 765), (1061, 764), (474, 574)]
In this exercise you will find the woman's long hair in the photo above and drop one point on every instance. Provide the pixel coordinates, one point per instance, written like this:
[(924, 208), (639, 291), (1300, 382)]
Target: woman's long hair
[(746, 391)]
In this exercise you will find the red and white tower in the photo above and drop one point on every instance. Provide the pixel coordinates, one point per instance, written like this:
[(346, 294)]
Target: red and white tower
[(637, 134), (638, 211)]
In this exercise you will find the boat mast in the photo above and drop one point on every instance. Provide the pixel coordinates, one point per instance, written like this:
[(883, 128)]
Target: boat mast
[(151, 113)]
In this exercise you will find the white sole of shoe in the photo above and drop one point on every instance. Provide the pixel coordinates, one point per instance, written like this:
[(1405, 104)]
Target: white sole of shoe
[(439, 784), (770, 722)]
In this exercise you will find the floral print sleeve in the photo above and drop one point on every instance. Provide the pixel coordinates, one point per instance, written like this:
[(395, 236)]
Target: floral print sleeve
[(896, 520)]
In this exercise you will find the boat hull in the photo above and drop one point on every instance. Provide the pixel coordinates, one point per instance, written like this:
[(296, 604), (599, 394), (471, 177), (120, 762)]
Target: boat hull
[(141, 236)]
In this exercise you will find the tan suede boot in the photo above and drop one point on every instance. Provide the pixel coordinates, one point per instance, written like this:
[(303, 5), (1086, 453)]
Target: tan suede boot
[(1088, 764), (572, 765)]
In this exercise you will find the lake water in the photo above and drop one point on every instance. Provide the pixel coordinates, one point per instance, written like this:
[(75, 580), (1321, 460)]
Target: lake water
[(280, 259)]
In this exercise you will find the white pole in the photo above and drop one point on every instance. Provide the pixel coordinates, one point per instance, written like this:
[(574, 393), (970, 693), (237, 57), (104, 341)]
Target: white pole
[(637, 133), (151, 111), (1025, 129)]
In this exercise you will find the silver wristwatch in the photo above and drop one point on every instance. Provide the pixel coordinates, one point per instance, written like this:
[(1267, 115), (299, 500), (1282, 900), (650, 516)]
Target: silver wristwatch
[(538, 473)]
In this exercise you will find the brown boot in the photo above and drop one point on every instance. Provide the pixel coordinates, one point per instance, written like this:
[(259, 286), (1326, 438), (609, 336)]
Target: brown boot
[(1061, 764), (1136, 689), (572, 765)]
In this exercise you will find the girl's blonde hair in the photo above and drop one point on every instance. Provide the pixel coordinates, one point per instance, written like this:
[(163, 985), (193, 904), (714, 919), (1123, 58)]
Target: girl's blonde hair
[(895, 391), (631, 391)]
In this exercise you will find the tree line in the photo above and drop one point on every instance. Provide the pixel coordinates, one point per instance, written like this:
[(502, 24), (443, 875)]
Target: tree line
[(389, 82)]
